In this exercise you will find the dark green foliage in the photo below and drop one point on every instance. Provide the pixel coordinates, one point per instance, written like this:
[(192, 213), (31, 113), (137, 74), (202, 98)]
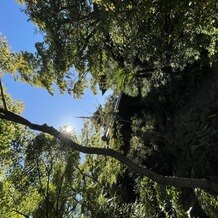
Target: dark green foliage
[(119, 41), (197, 140)]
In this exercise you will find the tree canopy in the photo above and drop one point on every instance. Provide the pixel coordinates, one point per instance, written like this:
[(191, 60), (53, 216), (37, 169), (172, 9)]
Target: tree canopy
[(152, 151), (117, 40)]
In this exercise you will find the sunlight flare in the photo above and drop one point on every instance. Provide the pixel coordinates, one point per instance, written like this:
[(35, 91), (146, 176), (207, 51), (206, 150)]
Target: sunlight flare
[(68, 129)]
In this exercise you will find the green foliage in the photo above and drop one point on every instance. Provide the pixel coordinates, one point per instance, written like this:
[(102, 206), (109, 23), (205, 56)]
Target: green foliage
[(142, 135), (196, 137), (147, 197), (169, 200), (8, 60), (11, 62), (209, 202), (118, 39), (42, 182), (110, 43), (99, 176), (174, 195), (11, 136)]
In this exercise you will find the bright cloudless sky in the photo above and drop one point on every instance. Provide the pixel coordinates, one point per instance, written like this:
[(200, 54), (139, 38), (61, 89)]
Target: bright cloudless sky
[(40, 106)]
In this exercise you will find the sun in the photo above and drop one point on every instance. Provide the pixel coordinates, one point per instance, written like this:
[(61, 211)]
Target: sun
[(67, 129)]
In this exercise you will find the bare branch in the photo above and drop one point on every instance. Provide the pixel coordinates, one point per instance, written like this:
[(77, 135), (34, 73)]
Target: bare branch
[(82, 117), (163, 180)]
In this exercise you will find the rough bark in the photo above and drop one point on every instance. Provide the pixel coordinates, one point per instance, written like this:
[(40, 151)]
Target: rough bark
[(141, 170)]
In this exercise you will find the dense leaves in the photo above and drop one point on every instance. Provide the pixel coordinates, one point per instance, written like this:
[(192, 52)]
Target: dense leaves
[(43, 183), (160, 52), (118, 40)]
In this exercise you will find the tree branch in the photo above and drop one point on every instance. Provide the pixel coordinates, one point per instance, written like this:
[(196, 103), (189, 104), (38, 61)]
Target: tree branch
[(20, 213), (163, 180), (2, 94)]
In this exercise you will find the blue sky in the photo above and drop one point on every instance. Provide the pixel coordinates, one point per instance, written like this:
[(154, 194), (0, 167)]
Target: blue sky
[(40, 106)]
